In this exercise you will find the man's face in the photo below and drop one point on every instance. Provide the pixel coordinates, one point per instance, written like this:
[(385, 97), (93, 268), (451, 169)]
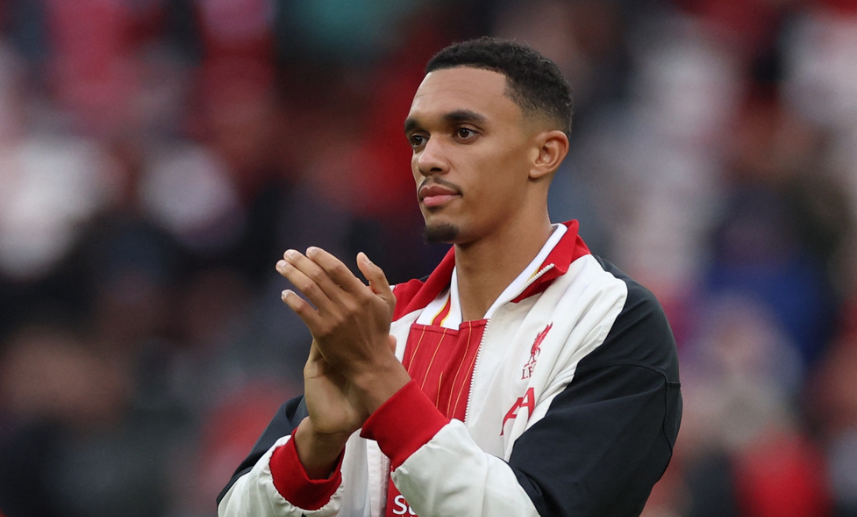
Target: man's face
[(472, 153)]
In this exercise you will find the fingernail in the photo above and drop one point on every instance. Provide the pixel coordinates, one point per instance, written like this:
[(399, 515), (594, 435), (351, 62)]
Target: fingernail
[(311, 251), (290, 254)]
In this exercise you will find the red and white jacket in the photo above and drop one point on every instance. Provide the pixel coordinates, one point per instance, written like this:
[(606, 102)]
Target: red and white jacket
[(573, 407)]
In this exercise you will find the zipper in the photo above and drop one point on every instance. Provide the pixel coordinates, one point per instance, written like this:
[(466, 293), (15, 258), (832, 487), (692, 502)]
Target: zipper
[(523, 288)]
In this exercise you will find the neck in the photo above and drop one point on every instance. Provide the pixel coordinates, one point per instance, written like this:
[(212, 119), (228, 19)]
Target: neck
[(487, 266)]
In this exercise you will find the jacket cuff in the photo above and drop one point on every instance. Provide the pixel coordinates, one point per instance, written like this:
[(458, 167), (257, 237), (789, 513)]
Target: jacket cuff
[(291, 480), (404, 423)]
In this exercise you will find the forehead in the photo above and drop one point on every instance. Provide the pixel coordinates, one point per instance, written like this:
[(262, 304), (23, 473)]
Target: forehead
[(464, 88)]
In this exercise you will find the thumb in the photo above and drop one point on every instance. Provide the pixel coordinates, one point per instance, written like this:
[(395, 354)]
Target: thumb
[(316, 365), (314, 352), (377, 279)]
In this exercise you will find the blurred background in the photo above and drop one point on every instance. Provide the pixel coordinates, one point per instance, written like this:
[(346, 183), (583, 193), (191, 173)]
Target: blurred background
[(158, 156)]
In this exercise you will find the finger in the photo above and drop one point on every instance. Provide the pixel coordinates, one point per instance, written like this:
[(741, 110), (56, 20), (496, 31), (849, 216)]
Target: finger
[(304, 310), (336, 270), (309, 278), (377, 279)]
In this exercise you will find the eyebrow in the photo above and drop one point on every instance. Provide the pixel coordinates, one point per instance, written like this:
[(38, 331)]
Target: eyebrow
[(453, 117)]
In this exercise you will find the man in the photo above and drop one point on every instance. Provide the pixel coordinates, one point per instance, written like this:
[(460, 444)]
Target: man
[(523, 377)]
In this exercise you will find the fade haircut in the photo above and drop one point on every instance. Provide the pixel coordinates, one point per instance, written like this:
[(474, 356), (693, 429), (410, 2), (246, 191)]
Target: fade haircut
[(533, 81)]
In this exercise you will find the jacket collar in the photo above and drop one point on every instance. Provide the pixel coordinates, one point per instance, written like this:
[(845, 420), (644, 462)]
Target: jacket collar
[(416, 294)]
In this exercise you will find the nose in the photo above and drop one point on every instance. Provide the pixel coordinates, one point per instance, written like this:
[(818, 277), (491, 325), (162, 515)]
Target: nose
[(431, 159)]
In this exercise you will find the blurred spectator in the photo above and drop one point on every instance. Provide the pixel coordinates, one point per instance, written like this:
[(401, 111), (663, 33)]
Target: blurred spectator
[(832, 405), (782, 223), (75, 442)]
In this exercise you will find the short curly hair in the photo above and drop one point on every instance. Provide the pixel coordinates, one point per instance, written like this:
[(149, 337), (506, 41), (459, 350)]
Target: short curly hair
[(534, 82)]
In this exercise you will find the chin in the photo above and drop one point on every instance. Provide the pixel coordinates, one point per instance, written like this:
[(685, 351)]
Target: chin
[(440, 233)]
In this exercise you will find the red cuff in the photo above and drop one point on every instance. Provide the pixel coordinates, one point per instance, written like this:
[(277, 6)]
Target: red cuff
[(292, 482), (403, 424)]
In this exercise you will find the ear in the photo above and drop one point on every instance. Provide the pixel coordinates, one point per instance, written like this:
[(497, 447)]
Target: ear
[(552, 149)]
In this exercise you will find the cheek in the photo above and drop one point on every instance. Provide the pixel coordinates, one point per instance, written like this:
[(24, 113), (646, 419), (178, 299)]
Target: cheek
[(506, 182), (418, 178), (504, 173)]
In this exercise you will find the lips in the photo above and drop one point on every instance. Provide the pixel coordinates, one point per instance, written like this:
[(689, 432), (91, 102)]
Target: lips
[(436, 195)]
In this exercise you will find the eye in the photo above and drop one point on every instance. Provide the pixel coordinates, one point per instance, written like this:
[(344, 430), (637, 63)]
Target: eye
[(417, 140), (465, 133)]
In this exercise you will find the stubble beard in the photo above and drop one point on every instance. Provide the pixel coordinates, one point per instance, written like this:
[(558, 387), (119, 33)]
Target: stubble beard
[(440, 233)]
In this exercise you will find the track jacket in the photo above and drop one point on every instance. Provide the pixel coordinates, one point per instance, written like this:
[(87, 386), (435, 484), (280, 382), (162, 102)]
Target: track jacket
[(573, 409)]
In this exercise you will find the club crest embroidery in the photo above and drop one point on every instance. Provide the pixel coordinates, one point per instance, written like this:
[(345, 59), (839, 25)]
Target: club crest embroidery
[(534, 353)]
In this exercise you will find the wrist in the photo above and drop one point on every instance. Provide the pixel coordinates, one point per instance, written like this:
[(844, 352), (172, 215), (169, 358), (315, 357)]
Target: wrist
[(318, 452), (406, 422), (376, 385)]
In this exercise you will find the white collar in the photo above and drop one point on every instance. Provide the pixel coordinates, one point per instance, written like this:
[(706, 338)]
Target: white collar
[(450, 295)]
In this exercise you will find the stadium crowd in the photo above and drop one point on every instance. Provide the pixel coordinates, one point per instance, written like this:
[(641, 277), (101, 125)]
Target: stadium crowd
[(157, 157)]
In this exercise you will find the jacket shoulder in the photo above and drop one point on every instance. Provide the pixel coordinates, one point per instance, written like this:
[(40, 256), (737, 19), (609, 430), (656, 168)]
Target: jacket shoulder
[(640, 335)]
